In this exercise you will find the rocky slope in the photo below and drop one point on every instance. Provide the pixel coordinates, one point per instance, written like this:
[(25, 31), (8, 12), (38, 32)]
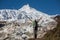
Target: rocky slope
[(55, 33), (52, 34), (18, 24)]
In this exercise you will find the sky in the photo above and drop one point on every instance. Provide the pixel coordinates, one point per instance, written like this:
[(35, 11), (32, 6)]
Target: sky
[(51, 7)]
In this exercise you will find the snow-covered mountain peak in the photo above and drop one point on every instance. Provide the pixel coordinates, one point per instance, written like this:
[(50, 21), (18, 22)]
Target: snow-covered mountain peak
[(24, 12), (30, 10), (25, 8)]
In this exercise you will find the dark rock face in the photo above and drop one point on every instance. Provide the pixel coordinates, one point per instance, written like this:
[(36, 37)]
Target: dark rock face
[(57, 18), (1, 25)]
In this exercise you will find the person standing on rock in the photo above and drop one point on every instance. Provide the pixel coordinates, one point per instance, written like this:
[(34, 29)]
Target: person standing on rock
[(35, 24)]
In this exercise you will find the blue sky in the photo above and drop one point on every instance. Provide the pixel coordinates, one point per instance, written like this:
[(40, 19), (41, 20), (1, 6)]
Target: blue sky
[(47, 6)]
